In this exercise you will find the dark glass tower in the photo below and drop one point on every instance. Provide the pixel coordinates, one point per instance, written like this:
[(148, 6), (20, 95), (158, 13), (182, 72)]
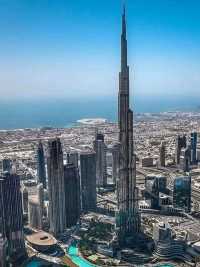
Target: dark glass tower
[(88, 181), (6, 165), (194, 147), (2, 208), (56, 190), (101, 164), (182, 193), (72, 158), (41, 171), (162, 155), (115, 162), (128, 219), (12, 213), (181, 142), (72, 194)]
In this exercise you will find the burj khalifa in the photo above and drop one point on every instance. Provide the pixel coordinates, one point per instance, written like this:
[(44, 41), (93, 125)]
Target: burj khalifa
[(127, 218)]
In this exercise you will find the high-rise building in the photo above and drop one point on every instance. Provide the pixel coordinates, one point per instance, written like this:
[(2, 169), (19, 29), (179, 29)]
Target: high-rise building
[(72, 158), (153, 186), (36, 208), (88, 181), (12, 213), (34, 213), (194, 148), (40, 191), (72, 194), (181, 142), (115, 162), (101, 164), (25, 200), (3, 251), (41, 170), (128, 218), (162, 155), (6, 165), (185, 158), (182, 193), (2, 208), (56, 187), (3, 240)]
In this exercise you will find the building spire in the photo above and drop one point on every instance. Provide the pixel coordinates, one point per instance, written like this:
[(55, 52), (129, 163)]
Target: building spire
[(123, 41), (124, 21)]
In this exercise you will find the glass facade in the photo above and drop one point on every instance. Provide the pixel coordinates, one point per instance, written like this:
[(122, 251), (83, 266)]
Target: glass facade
[(182, 193)]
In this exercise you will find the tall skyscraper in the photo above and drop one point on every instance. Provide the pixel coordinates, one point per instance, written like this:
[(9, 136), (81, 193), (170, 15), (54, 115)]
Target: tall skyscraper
[(182, 193), (72, 158), (6, 165), (34, 213), (25, 200), (162, 155), (12, 213), (128, 219), (115, 162), (88, 181), (181, 142), (101, 164), (72, 194), (56, 187), (2, 208), (194, 148), (41, 171), (3, 251), (185, 159), (40, 190), (3, 240), (36, 208)]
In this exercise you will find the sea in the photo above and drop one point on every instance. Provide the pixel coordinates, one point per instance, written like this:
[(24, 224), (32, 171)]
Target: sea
[(36, 113)]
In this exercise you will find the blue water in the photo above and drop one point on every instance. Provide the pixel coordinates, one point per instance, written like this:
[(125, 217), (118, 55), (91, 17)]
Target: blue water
[(63, 112), (34, 263), (81, 262)]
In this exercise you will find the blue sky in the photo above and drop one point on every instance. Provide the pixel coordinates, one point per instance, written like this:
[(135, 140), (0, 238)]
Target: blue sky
[(70, 48)]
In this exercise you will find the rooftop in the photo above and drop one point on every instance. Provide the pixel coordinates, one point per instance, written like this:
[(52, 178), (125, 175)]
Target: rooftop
[(41, 239)]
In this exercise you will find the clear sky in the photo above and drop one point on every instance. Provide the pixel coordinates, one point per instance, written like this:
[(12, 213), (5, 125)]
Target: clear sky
[(71, 48)]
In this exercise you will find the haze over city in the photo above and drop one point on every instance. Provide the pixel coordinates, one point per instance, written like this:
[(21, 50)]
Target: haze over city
[(71, 49)]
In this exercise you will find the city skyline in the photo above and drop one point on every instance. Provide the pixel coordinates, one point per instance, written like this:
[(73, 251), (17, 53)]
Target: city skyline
[(98, 193), (45, 46)]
